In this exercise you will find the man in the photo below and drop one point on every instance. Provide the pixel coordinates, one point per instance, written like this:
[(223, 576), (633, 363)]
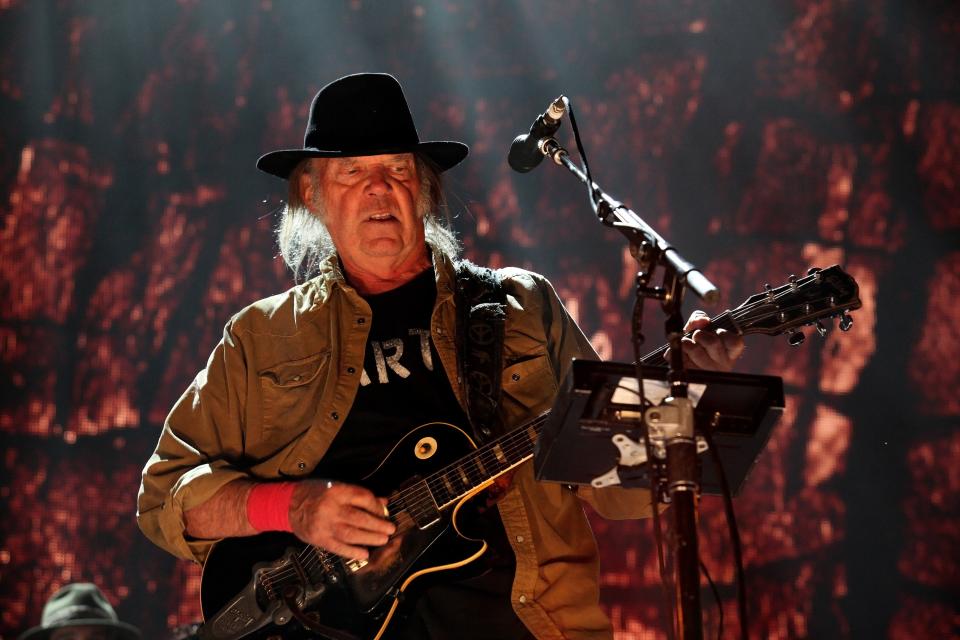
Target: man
[(314, 387), (79, 611)]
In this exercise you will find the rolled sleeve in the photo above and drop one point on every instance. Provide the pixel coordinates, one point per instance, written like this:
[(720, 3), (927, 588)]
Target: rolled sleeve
[(197, 453)]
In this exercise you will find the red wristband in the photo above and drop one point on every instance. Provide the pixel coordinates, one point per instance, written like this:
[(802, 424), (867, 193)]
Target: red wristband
[(268, 506)]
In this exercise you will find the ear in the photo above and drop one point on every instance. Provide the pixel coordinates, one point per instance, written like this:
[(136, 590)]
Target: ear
[(307, 187)]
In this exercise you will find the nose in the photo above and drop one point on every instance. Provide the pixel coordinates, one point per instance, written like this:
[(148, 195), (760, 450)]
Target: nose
[(377, 182)]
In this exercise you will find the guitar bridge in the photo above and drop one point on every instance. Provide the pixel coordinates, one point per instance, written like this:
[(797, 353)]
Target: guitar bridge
[(355, 565)]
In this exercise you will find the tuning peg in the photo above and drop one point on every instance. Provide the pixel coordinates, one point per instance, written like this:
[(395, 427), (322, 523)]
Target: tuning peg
[(793, 282), (813, 270), (769, 290), (845, 322), (795, 338), (822, 330)]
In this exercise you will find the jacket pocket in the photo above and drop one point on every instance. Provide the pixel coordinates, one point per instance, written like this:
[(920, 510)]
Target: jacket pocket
[(528, 388), (291, 392)]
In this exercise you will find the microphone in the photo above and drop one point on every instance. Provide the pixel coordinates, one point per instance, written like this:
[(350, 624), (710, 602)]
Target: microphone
[(525, 152)]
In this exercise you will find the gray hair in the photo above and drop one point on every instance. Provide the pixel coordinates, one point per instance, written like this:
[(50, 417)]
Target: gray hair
[(305, 242)]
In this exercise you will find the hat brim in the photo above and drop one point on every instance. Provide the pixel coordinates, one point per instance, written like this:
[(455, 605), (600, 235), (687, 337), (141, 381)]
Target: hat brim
[(445, 154), (121, 630)]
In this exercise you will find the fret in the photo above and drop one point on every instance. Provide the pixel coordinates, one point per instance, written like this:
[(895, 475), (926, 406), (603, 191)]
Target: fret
[(532, 435), (485, 463), (441, 494), (494, 467), (449, 487), (474, 472), (723, 321)]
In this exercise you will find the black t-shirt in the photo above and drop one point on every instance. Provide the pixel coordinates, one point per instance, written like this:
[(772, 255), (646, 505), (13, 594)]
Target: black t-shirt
[(402, 386)]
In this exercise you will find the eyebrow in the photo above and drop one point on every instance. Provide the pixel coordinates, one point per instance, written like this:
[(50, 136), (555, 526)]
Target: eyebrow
[(351, 160)]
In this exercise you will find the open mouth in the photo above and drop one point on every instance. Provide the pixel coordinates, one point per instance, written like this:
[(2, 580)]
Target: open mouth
[(382, 217)]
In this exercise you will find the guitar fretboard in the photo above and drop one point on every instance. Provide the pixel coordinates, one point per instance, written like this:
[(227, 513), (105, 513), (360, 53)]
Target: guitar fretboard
[(450, 484), (721, 321)]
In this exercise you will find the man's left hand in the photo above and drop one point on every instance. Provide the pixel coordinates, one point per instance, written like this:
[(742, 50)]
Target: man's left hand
[(708, 349)]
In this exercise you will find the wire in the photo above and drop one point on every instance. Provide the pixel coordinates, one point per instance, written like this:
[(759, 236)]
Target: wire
[(734, 534), (584, 164), (716, 597)]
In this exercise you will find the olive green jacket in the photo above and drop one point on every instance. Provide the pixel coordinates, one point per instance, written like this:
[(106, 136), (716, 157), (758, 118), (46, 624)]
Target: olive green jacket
[(280, 383)]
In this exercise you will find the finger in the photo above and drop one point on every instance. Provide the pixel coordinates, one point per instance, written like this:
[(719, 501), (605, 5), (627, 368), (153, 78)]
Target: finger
[(363, 499), (366, 521), (713, 347), (697, 320), (355, 536), (696, 356), (732, 342)]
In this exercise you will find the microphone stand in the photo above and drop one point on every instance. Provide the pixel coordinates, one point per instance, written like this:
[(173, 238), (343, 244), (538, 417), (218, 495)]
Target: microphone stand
[(669, 428)]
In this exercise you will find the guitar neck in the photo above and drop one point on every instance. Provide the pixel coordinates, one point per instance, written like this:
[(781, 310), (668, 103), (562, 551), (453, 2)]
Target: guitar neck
[(721, 321), (478, 469)]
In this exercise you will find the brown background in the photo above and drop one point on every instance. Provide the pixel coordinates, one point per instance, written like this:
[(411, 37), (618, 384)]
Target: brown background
[(761, 137)]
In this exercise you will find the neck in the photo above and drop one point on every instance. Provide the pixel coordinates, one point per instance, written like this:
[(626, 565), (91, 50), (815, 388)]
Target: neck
[(371, 280)]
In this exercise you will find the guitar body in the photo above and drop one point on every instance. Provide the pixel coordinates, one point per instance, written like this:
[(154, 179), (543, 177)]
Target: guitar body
[(356, 599)]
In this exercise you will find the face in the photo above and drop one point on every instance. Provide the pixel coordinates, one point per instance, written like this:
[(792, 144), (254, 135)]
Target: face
[(81, 633), (369, 205)]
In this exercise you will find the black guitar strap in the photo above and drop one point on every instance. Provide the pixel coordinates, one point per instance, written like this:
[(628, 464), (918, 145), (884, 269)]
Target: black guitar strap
[(481, 313)]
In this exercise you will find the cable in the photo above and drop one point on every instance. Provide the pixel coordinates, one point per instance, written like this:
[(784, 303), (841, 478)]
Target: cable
[(716, 597), (734, 534), (584, 164)]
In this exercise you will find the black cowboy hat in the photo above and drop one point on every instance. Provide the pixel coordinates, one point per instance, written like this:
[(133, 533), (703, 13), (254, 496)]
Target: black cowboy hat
[(80, 604), (364, 114)]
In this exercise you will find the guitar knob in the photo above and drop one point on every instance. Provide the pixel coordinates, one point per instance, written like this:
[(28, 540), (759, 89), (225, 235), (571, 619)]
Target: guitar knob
[(845, 322), (795, 338), (822, 330)]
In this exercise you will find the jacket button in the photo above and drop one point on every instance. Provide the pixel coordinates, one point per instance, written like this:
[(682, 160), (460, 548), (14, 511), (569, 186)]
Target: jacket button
[(515, 377), (301, 465), (361, 320), (485, 431), (351, 370), (334, 415), (519, 538), (522, 599)]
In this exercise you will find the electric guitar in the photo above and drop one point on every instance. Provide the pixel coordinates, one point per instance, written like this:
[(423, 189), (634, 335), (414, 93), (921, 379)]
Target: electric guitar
[(273, 585)]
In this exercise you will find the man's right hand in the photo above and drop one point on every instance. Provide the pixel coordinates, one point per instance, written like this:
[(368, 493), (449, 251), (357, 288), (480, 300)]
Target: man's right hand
[(341, 518)]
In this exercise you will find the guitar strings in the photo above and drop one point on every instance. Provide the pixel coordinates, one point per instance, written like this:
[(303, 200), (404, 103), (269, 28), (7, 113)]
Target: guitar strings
[(516, 442)]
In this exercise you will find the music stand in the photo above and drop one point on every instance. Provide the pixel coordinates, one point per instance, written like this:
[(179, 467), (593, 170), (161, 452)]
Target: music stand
[(577, 446)]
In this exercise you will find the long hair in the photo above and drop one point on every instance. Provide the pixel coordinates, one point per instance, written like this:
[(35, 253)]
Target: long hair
[(305, 242)]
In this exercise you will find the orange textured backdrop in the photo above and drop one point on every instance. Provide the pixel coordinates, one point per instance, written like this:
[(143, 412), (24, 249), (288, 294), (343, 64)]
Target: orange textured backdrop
[(762, 140)]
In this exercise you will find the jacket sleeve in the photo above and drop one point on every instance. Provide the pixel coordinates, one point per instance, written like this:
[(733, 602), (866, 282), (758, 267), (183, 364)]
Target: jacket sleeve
[(565, 341), (199, 444)]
